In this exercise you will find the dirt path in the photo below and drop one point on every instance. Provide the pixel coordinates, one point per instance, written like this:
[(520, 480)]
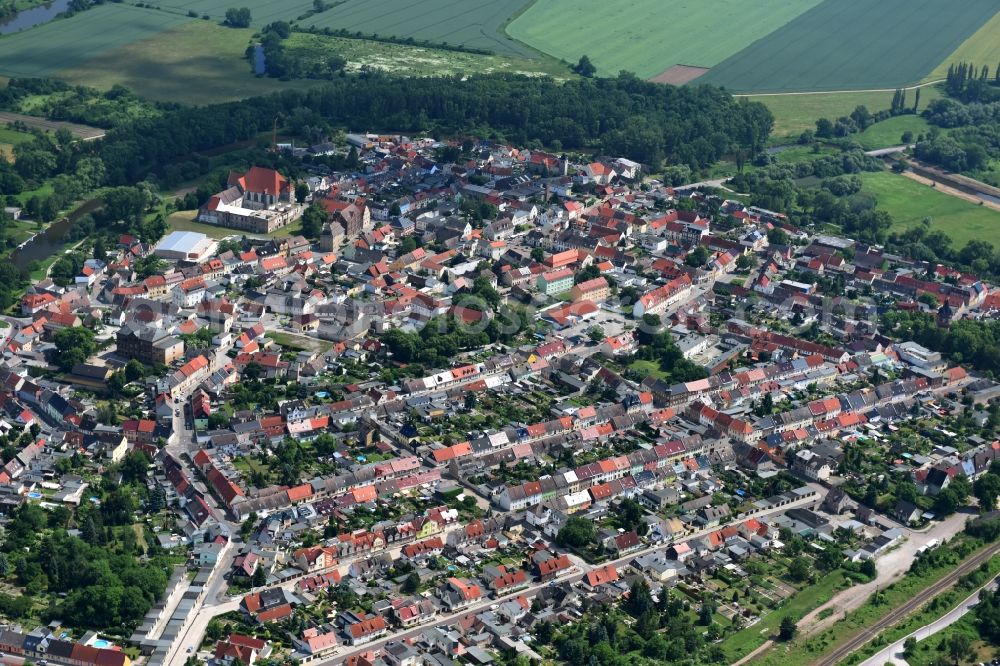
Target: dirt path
[(840, 92), (952, 191)]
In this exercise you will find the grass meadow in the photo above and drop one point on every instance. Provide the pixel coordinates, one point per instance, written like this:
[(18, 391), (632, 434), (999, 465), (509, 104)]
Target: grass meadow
[(408, 60), (909, 202), (797, 112), (890, 132)]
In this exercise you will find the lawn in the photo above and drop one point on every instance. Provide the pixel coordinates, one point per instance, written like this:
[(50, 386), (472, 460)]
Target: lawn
[(67, 42), (416, 60), (854, 44), (12, 137), (473, 23), (299, 342), (650, 36), (649, 368), (797, 112), (890, 132), (197, 62), (909, 202), (184, 221), (982, 48)]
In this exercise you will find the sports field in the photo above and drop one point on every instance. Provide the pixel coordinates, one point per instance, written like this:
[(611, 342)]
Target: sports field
[(473, 23), (649, 36), (65, 43), (854, 44), (909, 202)]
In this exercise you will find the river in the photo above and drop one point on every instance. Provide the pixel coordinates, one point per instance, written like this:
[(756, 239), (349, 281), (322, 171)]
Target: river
[(48, 242), (29, 18)]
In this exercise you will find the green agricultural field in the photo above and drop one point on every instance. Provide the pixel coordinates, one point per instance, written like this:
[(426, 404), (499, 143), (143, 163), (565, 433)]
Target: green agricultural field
[(415, 60), (198, 62), (473, 23), (890, 132), (796, 112), (909, 202), (650, 36), (262, 11), (66, 43), (854, 45), (982, 48)]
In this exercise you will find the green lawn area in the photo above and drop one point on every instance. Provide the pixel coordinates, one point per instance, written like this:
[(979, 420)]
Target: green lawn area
[(853, 45), (197, 62), (909, 202), (21, 230), (650, 36), (13, 137), (472, 23), (982, 48), (651, 368), (184, 221), (299, 342), (44, 190), (416, 60), (798, 112), (746, 640), (889, 132)]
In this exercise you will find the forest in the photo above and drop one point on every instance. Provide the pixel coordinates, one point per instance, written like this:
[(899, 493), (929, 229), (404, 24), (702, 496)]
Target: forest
[(94, 580), (625, 116), (971, 114)]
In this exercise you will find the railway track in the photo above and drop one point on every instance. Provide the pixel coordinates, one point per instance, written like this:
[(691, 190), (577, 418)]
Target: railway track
[(860, 640)]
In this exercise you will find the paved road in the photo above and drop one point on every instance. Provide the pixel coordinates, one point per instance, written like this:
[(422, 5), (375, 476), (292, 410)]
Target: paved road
[(892, 150), (857, 642), (893, 654), (197, 621)]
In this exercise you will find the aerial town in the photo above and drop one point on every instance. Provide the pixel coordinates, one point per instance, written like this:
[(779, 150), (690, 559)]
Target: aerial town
[(504, 401)]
